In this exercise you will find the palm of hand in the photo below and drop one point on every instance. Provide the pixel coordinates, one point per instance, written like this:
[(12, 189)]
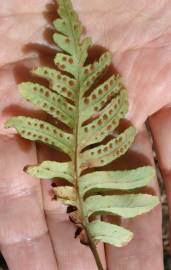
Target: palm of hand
[(139, 36)]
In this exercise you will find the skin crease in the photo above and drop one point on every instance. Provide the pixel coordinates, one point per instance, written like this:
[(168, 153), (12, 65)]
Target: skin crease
[(34, 230)]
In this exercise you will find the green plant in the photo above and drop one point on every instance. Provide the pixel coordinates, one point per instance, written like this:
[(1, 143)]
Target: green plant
[(89, 119)]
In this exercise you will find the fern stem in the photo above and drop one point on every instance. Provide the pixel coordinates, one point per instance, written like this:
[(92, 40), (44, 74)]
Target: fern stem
[(94, 251), (77, 152), (92, 246)]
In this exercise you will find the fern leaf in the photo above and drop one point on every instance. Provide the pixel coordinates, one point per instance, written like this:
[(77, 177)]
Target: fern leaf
[(92, 111), (110, 110), (84, 46), (104, 154), (106, 122), (48, 101), (109, 233), (116, 180), (38, 130), (64, 43), (66, 194), (51, 169), (126, 206), (58, 82), (73, 28), (62, 60), (100, 96), (92, 72)]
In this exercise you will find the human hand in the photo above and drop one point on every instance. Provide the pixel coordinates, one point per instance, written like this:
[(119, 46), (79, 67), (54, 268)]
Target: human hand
[(35, 233)]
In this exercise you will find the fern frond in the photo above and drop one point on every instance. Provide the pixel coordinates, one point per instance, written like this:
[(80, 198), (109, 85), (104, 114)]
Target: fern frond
[(61, 84), (67, 195), (102, 155), (109, 233), (38, 130), (50, 102), (100, 96), (126, 206), (105, 122), (51, 169), (91, 117), (101, 181)]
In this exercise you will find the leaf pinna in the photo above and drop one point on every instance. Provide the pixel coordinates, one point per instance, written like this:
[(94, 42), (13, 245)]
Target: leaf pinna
[(90, 117)]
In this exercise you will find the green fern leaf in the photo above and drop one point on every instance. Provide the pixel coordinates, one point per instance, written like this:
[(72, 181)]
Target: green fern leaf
[(100, 96), (62, 60), (38, 130), (51, 169), (107, 121), (92, 111), (91, 73), (104, 154), (116, 180), (61, 84), (109, 233), (48, 101), (126, 206), (84, 46)]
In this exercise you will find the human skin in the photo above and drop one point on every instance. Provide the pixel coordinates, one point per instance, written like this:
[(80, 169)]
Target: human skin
[(34, 230)]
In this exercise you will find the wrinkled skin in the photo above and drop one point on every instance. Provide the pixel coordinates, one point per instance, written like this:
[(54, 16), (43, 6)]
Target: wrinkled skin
[(34, 230)]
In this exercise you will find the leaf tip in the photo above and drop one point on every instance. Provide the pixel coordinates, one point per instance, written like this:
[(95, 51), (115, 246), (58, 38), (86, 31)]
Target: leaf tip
[(31, 170), (26, 169), (9, 123)]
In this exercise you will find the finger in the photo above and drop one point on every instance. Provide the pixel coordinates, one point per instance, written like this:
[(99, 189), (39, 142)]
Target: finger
[(24, 26), (145, 250), (24, 241), (71, 254), (160, 124)]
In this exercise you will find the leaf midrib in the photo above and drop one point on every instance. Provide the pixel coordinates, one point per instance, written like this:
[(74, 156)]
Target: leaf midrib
[(77, 123)]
